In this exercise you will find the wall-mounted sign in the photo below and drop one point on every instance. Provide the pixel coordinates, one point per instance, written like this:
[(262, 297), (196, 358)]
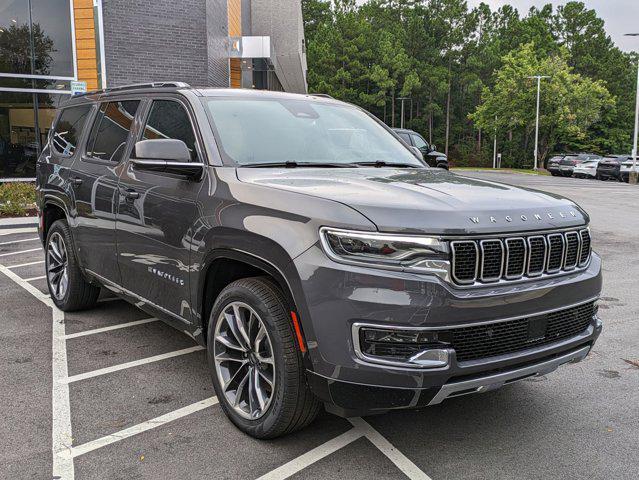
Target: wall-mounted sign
[(78, 87)]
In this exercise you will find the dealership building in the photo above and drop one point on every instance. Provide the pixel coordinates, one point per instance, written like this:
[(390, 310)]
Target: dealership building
[(50, 49)]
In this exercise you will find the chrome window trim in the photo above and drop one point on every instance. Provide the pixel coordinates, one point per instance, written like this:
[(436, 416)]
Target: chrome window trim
[(523, 264), (452, 262), (482, 262), (543, 264), (563, 253)]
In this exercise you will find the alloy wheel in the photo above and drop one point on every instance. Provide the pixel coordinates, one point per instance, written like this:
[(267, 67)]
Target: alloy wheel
[(57, 266), (244, 361)]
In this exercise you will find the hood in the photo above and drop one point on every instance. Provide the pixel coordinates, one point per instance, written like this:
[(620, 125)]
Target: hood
[(435, 153), (426, 200)]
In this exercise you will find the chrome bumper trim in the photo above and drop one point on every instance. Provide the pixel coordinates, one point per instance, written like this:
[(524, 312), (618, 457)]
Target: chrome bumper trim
[(492, 382)]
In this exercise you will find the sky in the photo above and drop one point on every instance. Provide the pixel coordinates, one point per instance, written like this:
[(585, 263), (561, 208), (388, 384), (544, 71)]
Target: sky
[(621, 16)]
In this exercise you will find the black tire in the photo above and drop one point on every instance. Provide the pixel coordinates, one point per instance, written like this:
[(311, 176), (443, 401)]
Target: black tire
[(554, 174), (79, 294), (292, 405), (442, 165)]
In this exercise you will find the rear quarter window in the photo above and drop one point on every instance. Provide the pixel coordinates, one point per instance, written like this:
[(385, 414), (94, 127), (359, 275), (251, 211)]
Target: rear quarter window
[(68, 129)]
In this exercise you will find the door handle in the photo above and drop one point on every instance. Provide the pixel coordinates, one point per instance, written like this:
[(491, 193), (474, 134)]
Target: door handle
[(130, 194), (76, 181)]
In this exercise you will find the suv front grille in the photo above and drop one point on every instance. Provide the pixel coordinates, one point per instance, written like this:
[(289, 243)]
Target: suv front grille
[(513, 258), (481, 341)]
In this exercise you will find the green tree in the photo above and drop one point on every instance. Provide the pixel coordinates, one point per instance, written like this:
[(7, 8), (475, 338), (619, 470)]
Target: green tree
[(570, 104)]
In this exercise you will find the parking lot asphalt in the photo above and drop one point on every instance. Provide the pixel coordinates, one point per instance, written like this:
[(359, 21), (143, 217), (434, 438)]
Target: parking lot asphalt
[(119, 395)]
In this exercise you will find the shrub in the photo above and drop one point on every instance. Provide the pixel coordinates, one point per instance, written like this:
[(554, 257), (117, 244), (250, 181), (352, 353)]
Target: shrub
[(16, 198)]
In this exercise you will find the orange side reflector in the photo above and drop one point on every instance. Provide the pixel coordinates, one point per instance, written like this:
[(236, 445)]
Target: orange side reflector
[(298, 332)]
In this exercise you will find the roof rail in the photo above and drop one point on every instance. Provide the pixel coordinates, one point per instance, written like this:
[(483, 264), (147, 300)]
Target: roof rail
[(135, 86), (323, 95)]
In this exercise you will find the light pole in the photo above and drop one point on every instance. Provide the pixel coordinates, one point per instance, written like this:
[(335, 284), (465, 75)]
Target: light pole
[(632, 178), (538, 77), (401, 122)]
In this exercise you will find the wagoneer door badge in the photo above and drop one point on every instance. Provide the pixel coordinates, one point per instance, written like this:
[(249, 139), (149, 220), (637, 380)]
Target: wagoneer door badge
[(525, 218)]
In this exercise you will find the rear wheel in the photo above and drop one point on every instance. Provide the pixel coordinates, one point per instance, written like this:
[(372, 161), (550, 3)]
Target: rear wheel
[(257, 368), (67, 286)]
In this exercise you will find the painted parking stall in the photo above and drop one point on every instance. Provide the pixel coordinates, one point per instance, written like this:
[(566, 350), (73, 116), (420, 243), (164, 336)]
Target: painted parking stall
[(113, 362), (113, 393)]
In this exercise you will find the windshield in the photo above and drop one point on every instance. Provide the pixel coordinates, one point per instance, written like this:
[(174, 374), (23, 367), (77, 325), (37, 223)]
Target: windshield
[(268, 131)]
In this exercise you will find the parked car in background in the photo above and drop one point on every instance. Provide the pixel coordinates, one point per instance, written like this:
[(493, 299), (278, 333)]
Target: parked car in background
[(431, 156), (570, 161), (553, 165), (609, 167), (626, 168), (586, 169)]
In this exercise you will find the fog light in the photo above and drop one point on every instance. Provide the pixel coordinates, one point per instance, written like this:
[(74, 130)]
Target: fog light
[(417, 348)]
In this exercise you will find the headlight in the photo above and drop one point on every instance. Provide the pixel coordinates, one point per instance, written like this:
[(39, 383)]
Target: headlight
[(400, 252)]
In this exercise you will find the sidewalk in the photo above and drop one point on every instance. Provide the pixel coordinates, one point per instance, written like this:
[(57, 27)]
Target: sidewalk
[(18, 222)]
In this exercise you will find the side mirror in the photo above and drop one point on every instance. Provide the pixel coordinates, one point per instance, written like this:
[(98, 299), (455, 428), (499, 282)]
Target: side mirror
[(417, 152), (166, 156), (433, 148)]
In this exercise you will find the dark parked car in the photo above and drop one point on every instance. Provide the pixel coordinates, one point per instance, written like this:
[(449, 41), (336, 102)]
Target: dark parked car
[(609, 167), (553, 165), (311, 252), (626, 168), (567, 164), (429, 152)]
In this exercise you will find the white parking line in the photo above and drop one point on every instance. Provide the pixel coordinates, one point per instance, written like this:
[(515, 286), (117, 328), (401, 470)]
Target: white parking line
[(11, 231), (314, 455), (402, 462), (20, 241), (61, 434), (26, 264), (136, 363), (108, 329), (141, 427), (39, 249), (33, 279)]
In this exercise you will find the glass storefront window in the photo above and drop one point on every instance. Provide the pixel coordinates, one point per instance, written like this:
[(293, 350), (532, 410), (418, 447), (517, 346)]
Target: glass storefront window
[(36, 55), (19, 127)]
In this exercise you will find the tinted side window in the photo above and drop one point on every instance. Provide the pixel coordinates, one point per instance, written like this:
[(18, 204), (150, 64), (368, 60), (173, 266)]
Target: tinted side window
[(169, 119), (419, 142), (405, 137), (68, 129), (110, 130)]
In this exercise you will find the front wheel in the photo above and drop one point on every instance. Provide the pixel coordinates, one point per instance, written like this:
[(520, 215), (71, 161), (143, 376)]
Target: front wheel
[(67, 286), (257, 367)]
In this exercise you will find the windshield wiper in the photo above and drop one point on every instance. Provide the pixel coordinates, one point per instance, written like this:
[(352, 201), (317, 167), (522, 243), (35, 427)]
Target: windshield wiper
[(301, 164), (382, 163)]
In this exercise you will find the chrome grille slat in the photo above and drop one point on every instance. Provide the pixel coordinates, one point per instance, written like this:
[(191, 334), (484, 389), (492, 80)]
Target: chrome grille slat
[(465, 261), (515, 258), (537, 254), (556, 247), (571, 256), (490, 260), (584, 253)]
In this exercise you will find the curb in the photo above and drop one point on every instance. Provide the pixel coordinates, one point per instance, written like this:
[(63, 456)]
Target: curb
[(17, 222)]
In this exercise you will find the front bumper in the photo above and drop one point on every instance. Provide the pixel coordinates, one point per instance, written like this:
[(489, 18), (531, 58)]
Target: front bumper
[(338, 296)]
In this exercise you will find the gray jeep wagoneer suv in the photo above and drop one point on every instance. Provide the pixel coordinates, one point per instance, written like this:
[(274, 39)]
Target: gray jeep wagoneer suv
[(310, 250)]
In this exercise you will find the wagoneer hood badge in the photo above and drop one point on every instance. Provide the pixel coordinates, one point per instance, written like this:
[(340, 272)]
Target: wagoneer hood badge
[(524, 218)]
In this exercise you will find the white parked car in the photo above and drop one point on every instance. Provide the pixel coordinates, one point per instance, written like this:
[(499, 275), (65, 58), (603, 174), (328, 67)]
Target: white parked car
[(626, 167), (587, 169)]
